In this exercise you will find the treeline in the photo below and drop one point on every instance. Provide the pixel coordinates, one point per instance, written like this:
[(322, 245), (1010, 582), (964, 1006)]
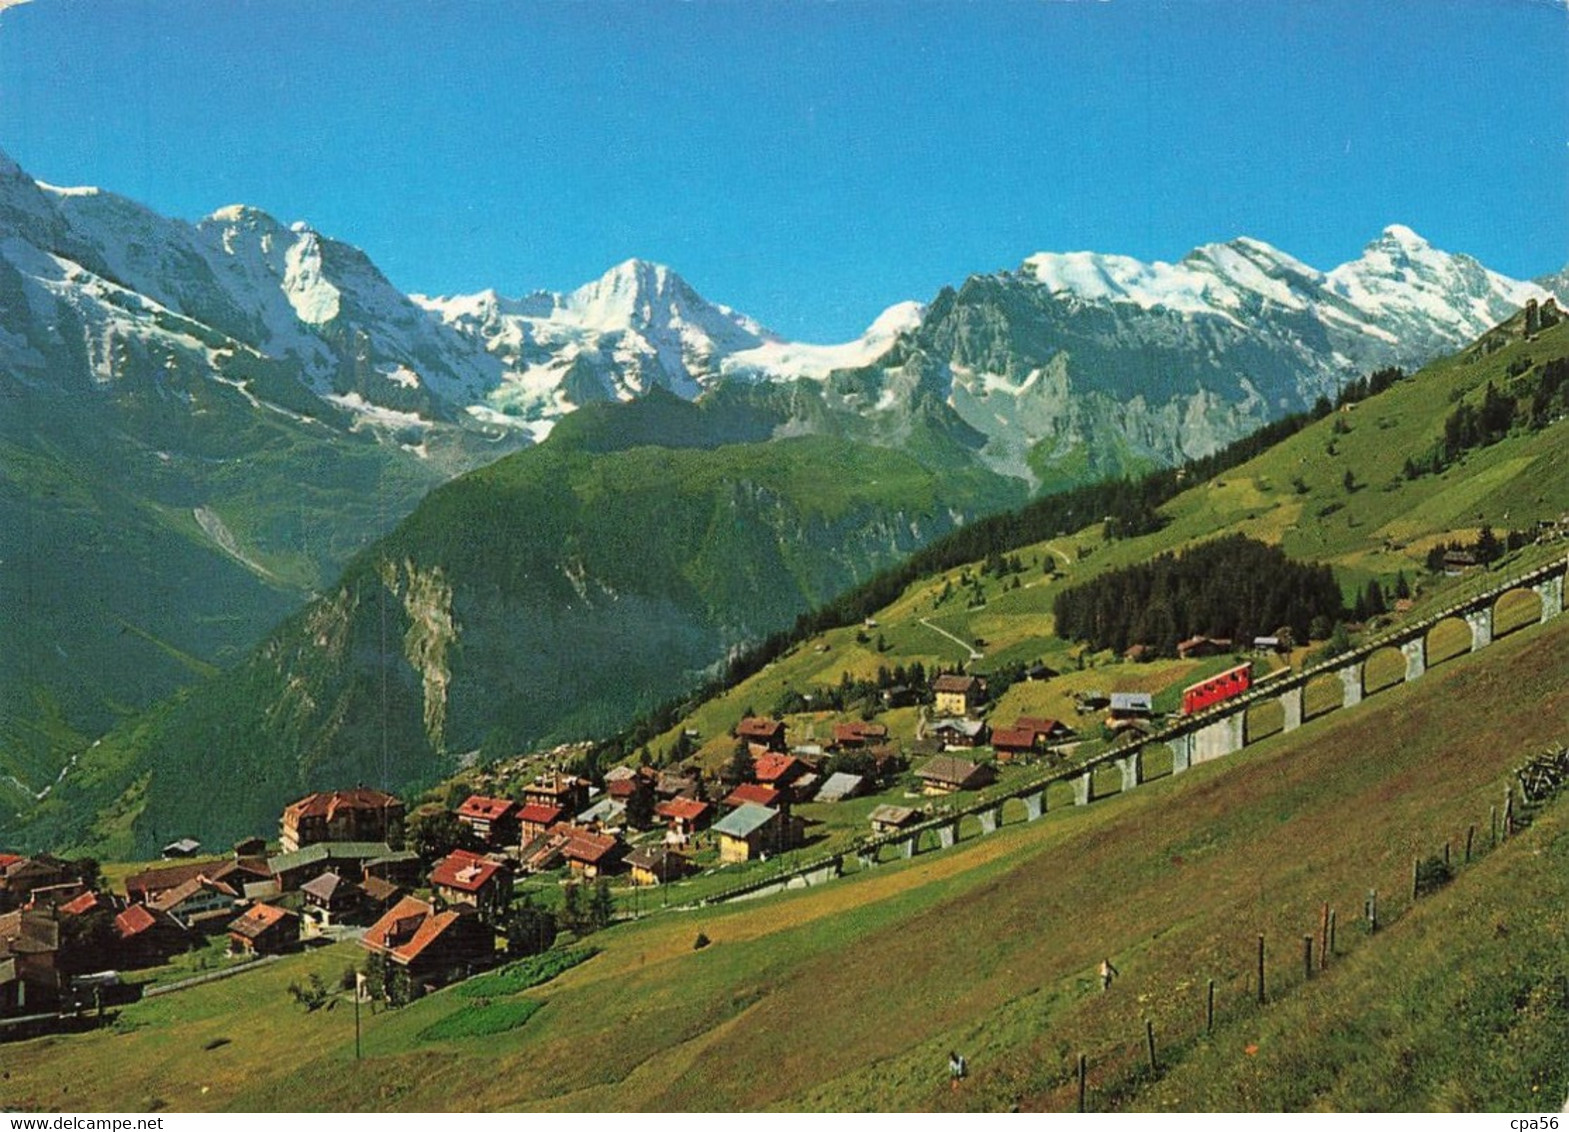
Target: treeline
[(1234, 587), (1364, 387), (1539, 397)]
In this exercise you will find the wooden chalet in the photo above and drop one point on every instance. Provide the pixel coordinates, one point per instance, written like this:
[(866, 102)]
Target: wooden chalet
[(1045, 730), (401, 867), (1129, 707), (377, 895), (433, 947), (898, 696), (857, 736), (54, 895), (92, 901), (948, 775), (1013, 742), (959, 732), (758, 794), (264, 929), (762, 734), (494, 821), (201, 904), (779, 771), (332, 898), (1460, 562), (20, 876), (593, 855), (148, 937), (749, 832), (30, 976), (1195, 647), (239, 873), (467, 878), (679, 782), (686, 816), (657, 864), (347, 858), (535, 818), (361, 814), (631, 786)]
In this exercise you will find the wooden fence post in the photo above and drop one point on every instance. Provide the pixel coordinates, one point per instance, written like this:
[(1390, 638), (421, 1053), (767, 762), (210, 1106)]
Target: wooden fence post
[(1416, 863), (1149, 1041), (1307, 956), (1261, 968), (1446, 854), (1470, 836), (1492, 821), (1331, 936), (1081, 1082), (1372, 910), (1323, 936), (1209, 1012)]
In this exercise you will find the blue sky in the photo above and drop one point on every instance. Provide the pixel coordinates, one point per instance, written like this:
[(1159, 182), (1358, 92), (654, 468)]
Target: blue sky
[(809, 163)]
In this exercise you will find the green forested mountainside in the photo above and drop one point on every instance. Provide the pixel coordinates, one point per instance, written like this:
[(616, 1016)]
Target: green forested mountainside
[(551, 595), (153, 532)]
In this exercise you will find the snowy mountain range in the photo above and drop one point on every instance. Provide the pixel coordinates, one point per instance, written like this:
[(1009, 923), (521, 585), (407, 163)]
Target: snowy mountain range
[(1085, 363), (1076, 353)]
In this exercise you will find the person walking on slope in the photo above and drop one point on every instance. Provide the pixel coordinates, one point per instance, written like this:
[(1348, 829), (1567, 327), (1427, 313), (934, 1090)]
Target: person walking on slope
[(957, 1069), (1107, 973)]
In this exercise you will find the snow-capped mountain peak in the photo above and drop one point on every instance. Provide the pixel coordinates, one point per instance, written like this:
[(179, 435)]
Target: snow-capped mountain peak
[(1404, 282), (641, 295)]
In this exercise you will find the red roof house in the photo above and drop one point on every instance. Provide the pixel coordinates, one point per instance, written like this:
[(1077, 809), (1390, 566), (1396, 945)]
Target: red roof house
[(589, 853), (433, 947), (493, 820), (856, 735), (1044, 729), (1010, 741), (536, 817), (263, 929), (148, 937), (686, 816), (778, 770), (462, 877), (756, 793)]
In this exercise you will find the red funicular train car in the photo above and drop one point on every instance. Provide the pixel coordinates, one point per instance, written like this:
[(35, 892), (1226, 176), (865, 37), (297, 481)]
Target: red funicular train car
[(1222, 686)]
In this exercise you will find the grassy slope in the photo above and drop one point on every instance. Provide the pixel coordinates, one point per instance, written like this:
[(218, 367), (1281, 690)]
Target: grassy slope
[(991, 949), (1382, 527)]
